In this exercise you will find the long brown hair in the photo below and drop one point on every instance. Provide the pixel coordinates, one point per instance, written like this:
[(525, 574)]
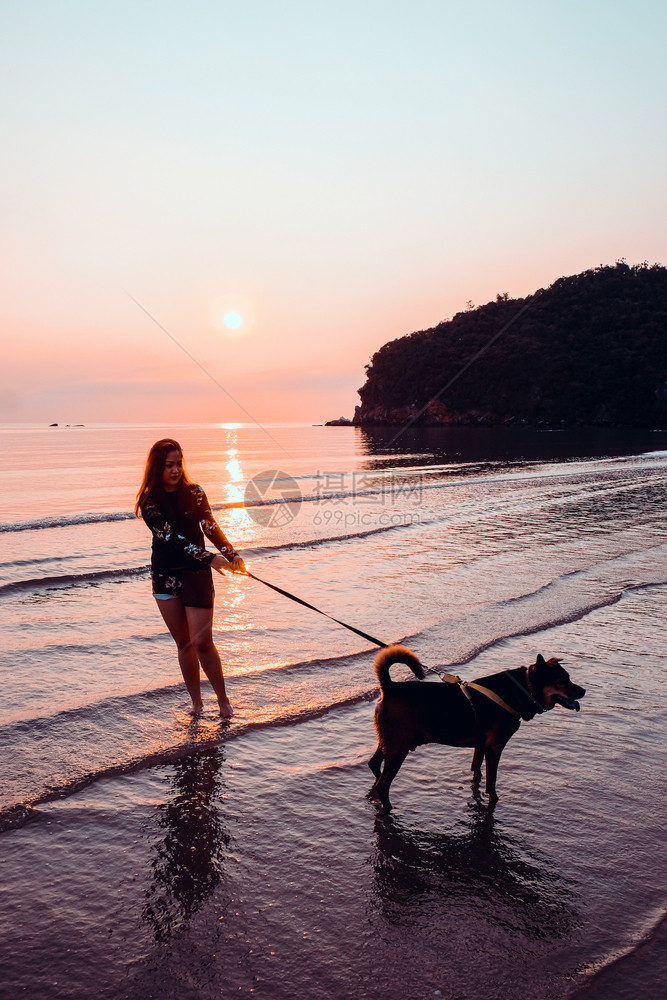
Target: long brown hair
[(155, 463)]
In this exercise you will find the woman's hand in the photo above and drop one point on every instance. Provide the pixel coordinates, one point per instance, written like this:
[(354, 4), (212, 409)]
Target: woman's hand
[(238, 566), (219, 562), (235, 564)]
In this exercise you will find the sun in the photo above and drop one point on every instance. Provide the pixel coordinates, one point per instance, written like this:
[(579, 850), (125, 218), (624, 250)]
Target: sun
[(232, 314), (232, 320)]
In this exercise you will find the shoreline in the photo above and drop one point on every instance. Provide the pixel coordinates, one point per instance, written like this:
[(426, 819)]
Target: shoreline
[(640, 971)]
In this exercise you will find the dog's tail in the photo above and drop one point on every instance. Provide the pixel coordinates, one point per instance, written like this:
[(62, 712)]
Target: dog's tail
[(395, 654)]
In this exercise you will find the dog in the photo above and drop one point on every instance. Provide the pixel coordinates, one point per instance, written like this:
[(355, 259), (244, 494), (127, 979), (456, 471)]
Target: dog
[(483, 714)]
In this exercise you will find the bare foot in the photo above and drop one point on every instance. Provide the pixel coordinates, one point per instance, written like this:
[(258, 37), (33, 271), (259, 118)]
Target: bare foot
[(197, 708), (226, 710)]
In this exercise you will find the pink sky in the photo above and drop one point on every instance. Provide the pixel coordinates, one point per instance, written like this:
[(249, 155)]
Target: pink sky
[(339, 176)]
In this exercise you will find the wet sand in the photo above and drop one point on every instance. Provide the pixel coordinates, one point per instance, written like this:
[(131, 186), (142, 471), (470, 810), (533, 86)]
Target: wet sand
[(258, 866)]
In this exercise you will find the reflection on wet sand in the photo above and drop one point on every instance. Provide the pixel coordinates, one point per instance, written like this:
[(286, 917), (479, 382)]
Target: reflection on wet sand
[(480, 870), (188, 861)]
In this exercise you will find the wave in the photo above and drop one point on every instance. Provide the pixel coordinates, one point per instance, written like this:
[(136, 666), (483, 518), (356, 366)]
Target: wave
[(397, 490), (64, 521), (122, 573), (134, 572), (402, 522), (73, 579), (623, 967), (18, 814), (37, 560), (91, 518), (566, 618), (113, 705), (313, 543)]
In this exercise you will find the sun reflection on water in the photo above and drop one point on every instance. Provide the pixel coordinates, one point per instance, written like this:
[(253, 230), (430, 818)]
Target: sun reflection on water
[(235, 487)]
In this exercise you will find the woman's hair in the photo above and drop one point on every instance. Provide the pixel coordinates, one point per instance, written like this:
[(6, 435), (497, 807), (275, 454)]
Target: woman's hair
[(155, 463)]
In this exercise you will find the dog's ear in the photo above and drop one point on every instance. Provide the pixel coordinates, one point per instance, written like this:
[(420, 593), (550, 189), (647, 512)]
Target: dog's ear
[(536, 669)]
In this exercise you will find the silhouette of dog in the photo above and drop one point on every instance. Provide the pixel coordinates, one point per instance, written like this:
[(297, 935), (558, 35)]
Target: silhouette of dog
[(483, 714)]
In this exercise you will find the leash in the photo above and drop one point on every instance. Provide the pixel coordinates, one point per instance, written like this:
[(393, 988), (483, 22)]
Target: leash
[(447, 678), (305, 604)]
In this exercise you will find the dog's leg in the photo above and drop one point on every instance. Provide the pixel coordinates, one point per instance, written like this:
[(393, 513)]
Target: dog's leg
[(392, 765), (476, 766), (492, 756), (375, 763)]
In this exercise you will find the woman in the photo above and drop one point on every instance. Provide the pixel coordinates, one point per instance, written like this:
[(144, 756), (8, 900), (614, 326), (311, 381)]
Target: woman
[(178, 514)]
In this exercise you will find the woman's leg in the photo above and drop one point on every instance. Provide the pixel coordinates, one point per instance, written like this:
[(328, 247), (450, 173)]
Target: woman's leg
[(200, 627), (176, 621)]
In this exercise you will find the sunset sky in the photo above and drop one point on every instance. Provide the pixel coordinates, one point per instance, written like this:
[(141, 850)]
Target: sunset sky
[(335, 174)]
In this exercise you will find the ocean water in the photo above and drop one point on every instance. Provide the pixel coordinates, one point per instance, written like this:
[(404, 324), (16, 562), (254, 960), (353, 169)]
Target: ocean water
[(145, 854)]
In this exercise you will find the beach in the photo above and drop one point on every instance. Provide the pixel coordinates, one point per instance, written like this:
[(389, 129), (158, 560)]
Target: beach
[(146, 854)]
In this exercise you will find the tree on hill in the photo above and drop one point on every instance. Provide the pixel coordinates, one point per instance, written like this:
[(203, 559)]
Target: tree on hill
[(590, 349)]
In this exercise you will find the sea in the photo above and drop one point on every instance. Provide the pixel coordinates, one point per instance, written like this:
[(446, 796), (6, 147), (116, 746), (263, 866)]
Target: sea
[(149, 854)]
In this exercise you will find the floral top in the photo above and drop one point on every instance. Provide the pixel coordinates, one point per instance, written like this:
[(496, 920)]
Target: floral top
[(179, 522)]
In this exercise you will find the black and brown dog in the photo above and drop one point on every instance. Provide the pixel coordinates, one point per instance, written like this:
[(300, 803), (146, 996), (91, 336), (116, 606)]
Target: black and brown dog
[(483, 714)]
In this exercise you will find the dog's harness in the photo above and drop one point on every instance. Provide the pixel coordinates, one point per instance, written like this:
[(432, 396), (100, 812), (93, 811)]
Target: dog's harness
[(465, 685)]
